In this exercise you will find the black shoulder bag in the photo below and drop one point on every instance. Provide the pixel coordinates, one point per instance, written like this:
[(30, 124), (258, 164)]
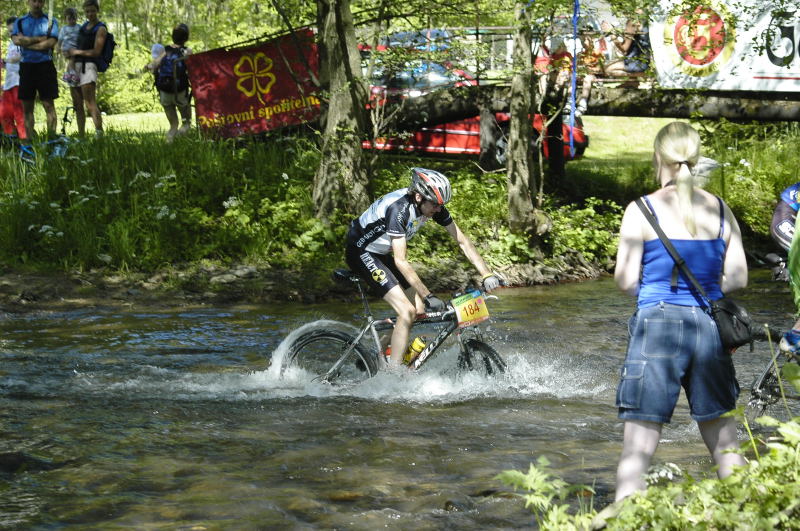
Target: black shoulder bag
[(733, 322)]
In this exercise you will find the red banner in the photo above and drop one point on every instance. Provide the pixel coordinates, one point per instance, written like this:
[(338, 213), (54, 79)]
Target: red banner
[(256, 89)]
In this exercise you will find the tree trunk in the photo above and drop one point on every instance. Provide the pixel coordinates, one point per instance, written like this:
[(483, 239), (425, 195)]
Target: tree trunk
[(490, 134), (521, 177), (341, 178)]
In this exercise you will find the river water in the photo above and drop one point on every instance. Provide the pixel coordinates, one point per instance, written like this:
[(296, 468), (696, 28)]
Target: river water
[(174, 418)]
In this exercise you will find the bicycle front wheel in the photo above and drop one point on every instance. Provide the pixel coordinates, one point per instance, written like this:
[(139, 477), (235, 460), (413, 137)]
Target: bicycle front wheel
[(478, 356), (772, 395), (317, 351)]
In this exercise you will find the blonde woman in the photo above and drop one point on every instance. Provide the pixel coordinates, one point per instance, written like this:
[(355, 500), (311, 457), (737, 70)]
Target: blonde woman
[(673, 342)]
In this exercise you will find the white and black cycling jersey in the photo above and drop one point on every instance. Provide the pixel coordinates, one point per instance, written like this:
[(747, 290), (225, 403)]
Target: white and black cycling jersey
[(392, 216)]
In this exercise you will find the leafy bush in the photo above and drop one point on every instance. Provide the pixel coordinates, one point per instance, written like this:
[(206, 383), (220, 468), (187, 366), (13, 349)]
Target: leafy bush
[(125, 87), (591, 230), (758, 162)]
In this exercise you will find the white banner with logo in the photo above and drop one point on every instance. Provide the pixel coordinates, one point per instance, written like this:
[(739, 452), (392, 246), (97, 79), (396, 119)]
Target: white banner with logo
[(728, 45)]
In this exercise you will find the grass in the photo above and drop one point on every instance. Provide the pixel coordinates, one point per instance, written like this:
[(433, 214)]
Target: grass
[(144, 122), (616, 164)]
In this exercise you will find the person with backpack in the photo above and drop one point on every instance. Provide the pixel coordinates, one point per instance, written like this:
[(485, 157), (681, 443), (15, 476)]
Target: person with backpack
[(37, 35), (89, 60), (172, 82)]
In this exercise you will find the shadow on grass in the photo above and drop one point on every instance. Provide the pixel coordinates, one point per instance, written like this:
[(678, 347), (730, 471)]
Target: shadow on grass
[(621, 179)]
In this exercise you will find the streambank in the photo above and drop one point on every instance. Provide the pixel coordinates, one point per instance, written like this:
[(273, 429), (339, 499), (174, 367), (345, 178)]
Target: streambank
[(23, 291)]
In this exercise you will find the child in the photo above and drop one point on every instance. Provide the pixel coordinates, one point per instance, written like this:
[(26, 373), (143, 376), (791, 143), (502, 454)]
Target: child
[(68, 40)]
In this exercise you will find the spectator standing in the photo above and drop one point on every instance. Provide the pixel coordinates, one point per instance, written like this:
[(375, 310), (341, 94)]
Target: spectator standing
[(37, 35), (172, 81), (11, 114), (91, 38), (68, 40), (673, 342)]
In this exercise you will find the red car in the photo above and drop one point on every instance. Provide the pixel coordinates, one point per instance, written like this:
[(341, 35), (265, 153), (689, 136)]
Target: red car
[(461, 137)]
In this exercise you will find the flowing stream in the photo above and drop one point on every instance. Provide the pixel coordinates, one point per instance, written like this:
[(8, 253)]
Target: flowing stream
[(175, 419)]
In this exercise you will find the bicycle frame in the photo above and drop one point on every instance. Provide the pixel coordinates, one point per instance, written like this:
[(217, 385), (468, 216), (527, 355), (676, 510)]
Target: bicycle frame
[(374, 326)]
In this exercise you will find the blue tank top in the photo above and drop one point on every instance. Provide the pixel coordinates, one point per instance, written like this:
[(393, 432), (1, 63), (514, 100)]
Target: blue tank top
[(703, 257)]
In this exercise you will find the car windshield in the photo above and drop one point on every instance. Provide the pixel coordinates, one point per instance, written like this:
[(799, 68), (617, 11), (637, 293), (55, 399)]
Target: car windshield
[(425, 76)]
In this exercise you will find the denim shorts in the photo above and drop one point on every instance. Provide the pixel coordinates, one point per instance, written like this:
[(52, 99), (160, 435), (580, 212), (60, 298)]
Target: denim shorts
[(672, 347)]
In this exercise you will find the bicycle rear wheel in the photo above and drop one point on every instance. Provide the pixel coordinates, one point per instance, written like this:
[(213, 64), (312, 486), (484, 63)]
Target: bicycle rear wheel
[(766, 397), (478, 356), (316, 351)]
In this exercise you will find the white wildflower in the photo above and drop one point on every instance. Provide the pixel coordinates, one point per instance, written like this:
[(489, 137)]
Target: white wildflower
[(285, 177), (232, 202), (745, 163)]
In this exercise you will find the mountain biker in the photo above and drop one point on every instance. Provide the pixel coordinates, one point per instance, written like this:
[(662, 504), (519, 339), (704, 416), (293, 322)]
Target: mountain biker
[(377, 244), (782, 230)]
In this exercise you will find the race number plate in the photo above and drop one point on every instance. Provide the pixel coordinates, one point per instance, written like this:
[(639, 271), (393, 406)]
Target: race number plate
[(470, 308)]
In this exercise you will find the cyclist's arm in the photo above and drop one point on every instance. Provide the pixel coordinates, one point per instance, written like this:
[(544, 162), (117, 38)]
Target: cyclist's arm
[(399, 251), (630, 251), (734, 269), (468, 248)]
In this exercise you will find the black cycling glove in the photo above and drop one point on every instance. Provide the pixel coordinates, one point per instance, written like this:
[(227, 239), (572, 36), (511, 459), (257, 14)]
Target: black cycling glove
[(434, 303)]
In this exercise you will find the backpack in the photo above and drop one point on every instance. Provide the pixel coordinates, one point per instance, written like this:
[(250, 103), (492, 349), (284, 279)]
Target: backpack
[(107, 53), (171, 75)]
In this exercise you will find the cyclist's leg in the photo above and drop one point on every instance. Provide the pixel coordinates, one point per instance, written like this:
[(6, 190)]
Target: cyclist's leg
[(411, 293), (378, 271), (720, 437), (639, 442), (406, 313)]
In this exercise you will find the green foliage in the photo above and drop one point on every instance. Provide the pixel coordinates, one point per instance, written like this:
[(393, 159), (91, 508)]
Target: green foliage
[(542, 489), (591, 230), (132, 201), (765, 494), (758, 162), (125, 87)]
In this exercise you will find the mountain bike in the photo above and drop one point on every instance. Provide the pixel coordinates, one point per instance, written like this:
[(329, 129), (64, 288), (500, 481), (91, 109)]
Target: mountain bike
[(337, 352), (772, 393)]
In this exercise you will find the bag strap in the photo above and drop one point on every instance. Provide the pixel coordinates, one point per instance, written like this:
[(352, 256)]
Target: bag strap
[(679, 261)]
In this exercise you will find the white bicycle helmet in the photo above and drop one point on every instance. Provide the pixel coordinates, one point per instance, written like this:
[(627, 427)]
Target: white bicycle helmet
[(431, 185)]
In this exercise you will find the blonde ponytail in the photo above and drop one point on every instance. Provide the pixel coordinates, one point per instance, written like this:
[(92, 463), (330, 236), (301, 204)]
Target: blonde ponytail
[(684, 184), (679, 143)]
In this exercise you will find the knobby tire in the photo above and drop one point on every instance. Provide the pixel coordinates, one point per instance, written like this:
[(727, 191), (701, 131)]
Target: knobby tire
[(317, 350), (479, 356)]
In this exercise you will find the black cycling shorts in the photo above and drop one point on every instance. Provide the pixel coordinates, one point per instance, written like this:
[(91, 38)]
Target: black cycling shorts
[(782, 226), (378, 270), (38, 77)]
